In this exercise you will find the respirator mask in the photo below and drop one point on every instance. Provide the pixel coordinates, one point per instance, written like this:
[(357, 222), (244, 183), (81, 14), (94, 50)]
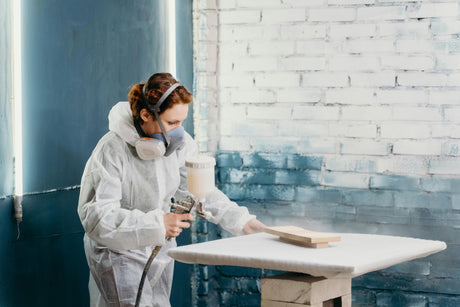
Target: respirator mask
[(164, 143)]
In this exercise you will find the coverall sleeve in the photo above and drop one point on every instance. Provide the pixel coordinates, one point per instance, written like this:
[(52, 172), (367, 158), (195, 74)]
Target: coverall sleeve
[(100, 211), (226, 213)]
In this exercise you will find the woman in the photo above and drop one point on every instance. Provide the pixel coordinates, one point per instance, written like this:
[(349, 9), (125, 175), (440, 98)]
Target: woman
[(126, 188)]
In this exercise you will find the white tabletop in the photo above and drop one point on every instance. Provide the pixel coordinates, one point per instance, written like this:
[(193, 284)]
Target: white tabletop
[(354, 255)]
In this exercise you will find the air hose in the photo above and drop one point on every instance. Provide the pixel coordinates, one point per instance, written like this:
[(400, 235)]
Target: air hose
[(182, 207), (144, 274), (175, 208)]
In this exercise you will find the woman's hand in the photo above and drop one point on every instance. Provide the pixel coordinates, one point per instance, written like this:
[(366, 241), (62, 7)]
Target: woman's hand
[(175, 222), (253, 226)]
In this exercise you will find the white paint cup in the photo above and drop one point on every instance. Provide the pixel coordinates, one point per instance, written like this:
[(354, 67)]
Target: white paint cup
[(200, 175)]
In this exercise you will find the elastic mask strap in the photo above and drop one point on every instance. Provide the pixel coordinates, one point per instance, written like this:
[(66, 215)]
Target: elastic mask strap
[(164, 96), (163, 130), (156, 108)]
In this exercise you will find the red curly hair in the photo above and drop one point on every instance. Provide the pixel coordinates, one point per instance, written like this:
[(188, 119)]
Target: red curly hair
[(155, 88)]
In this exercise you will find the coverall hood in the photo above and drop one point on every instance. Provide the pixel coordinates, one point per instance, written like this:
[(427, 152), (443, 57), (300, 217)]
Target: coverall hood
[(122, 123)]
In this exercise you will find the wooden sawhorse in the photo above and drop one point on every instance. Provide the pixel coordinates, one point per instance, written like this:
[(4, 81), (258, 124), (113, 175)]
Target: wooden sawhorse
[(301, 290)]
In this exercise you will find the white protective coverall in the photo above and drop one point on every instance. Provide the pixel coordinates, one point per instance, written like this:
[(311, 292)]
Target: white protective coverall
[(121, 207)]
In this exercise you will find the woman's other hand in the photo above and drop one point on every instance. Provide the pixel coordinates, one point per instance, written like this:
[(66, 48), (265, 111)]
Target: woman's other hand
[(253, 226), (174, 223)]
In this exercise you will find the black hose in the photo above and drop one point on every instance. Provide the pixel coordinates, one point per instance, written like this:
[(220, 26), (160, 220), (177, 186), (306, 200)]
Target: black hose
[(178, 210), (144, 274)]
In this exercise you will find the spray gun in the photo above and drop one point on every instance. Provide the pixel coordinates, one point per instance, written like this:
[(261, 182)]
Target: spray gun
[(200, 182), (185, 206), (182, 207)]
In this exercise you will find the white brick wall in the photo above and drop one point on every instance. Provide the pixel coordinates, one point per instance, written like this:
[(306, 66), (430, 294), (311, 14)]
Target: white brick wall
[(348, 79)]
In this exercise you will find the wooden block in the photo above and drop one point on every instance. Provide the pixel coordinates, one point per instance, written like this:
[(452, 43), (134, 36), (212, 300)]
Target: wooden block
[(313, 245), (303, 289), (304, 236), (268, 303), (346, 300)]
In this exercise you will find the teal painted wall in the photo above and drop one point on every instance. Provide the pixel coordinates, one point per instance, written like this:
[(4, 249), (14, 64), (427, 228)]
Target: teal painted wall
[(79, 59), (287, 189), (184, 52)]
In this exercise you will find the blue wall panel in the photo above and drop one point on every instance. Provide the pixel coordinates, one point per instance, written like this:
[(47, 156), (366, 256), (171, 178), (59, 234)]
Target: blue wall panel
[(6, 81), (8, 235), (80, 58), (48, 261), (184, 52)]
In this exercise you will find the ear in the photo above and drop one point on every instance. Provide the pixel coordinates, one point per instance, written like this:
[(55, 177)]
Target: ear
[(145, 115)]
